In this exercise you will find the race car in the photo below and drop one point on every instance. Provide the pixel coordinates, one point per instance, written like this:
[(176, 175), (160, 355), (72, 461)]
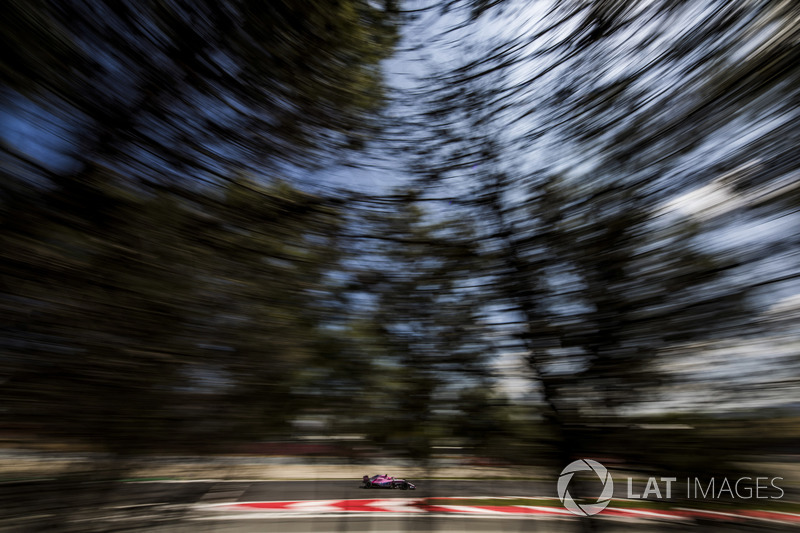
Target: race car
[(386, 481)]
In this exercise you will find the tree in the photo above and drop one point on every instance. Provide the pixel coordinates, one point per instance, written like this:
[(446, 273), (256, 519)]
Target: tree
[(163, 91), (166, 327), (570, 133), (157, 256), (418, 320)]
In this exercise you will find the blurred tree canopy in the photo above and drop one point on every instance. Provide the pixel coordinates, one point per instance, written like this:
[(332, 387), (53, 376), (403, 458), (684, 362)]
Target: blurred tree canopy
[(578, 171), (165, 90), (609, 153), (419, 320), (142, 307), (175, 323)]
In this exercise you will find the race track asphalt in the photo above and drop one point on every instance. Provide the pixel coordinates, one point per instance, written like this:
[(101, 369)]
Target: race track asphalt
[(247, 491), (322, 490)]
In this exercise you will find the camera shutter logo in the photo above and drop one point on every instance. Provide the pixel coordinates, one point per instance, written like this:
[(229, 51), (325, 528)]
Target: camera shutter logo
[(585, 465)]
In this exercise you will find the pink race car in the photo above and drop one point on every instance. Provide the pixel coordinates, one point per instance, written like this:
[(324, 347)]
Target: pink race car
[(385, 481)]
